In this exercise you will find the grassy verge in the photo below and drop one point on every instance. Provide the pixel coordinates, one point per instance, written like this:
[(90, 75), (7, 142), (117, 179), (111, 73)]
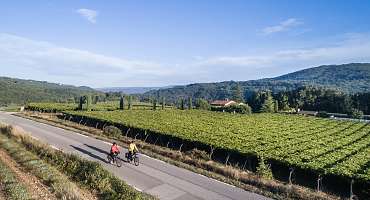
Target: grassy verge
[(89, 174), (197, 162), (12, 187)]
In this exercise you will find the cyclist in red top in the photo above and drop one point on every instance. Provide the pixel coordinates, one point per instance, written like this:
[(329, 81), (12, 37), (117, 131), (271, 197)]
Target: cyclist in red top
[(114, 151)]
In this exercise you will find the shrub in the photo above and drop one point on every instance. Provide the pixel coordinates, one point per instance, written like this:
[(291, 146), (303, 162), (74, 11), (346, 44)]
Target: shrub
[(112, 131), (263, 169)]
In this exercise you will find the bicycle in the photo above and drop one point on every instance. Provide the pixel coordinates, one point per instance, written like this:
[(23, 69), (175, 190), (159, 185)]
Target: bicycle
[(116, 160), (134, 157)]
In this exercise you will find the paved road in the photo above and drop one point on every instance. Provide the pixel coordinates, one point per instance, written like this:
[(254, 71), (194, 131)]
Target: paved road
[(151, 176)]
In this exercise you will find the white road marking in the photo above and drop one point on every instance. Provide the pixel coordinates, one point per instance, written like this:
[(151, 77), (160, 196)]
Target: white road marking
[(106, 142), (81, 134)]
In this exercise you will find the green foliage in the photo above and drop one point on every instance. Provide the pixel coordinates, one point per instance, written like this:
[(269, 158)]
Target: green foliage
[(276, 106), (263, 169), (268, 103), (90, 174), (88, 102), (190, 101), (203, 104), (121, 103), (163, 103), (129, 102), (237, 93), (12, 187), (301, 141), (112, 131), (182, 104), (355, 113), (154, 104), (19, 91), (349, 78)]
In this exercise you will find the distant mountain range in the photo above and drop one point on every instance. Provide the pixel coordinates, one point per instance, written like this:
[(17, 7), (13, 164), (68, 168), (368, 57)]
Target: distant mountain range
[(130, 90), (349, 78)]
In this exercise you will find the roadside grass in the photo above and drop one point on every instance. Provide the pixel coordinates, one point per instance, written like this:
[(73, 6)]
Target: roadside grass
[(193, 162), (88, 174), (13, 188), (61, 186)]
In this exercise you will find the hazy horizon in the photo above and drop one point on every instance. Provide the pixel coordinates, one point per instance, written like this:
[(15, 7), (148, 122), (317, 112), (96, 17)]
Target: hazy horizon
[(156, 44)]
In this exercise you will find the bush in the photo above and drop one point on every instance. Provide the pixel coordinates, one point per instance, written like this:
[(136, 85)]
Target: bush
[(355, 113), (112, 131), (264, 170)]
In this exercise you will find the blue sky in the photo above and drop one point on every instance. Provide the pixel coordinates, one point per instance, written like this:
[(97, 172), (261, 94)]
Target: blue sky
[(170, 42)]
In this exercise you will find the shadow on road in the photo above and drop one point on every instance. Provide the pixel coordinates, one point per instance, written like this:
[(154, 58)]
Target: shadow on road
[(89, 153), (102, 151)]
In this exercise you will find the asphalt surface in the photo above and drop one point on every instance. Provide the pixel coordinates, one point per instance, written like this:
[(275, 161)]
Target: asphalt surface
[(152, 176)]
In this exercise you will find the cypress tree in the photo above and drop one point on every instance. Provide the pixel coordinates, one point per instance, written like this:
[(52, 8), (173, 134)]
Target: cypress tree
[(163, 103), (88, 103), (190, 103), (129, 102), (81, 102), (182, 104), (276, 106), (121, 103), (154, 104)]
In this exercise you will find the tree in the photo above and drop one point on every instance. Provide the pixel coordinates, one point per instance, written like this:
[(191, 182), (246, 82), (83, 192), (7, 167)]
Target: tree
[(121, 103), (154, 104), (129, 102), (88, 103), (237, 93), (190, 103), (163, 102), (96, 99), (182, 104), (356, 113), (276, 106), (203, 104), (268, 104), (80, 103)]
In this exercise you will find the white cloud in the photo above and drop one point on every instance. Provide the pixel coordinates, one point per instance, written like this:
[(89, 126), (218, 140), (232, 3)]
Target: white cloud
[(282, 26), (45, 61), (88, 14), (353, 48)]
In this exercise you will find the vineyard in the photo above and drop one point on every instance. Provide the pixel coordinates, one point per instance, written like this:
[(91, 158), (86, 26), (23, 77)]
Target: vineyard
[(324, 146), (100, 106)]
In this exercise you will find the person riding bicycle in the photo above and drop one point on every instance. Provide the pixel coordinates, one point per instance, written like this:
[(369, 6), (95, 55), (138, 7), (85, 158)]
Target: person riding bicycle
[(132, 149), (114, 151)]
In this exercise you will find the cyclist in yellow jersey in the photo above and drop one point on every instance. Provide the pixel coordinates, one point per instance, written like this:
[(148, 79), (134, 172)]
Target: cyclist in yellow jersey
[(132, 149)]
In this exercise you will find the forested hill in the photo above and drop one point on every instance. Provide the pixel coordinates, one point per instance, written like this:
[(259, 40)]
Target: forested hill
[(354, 77), (349, 78), (19, 91)]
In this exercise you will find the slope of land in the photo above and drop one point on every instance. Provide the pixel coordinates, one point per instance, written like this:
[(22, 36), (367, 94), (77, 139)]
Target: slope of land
[(19, 91), (350, 78)]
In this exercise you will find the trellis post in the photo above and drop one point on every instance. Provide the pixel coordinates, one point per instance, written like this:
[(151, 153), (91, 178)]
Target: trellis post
[(211, 153), (351, 190), (181, 147), (227, 158), (290, 175), (319, 178)]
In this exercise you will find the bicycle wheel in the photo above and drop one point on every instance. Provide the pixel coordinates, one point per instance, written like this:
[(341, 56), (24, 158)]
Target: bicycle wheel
[(118, 162), (109, 158), (136, 160)]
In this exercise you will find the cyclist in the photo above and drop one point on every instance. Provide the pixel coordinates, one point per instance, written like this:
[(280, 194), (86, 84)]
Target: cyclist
[(114, 151), (132, 149)]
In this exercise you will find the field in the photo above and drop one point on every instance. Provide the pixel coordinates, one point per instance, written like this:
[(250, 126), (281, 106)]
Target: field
[(321, 145), (100, 106)]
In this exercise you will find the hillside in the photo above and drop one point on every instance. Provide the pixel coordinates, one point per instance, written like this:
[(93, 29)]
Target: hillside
[(19, 91), (350, 78)]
